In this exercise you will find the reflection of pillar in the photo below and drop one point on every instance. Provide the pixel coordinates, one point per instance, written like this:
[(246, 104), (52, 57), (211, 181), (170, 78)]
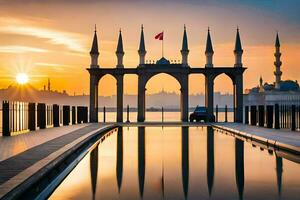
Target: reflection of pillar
[(238, 103), (119, 166), (141, 159), (239, 166), (119, 98), (210, 159), (209, 97), (141, 99), (279, 173), (93, 99), (94, 169), (185, 98), (185, 159)]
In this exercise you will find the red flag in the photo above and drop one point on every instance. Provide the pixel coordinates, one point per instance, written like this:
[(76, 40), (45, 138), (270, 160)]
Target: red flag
[(160, 36)]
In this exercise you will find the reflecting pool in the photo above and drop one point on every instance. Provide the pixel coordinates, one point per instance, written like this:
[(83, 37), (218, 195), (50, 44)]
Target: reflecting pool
[(179, 163)]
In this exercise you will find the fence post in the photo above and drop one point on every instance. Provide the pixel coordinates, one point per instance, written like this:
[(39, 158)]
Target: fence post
[(226, 120), (127, 121), (5, 119), (55, 115), (31, 117), (269, 116), (277, 116), (253, 115), (261, 115), (66, 115), (293, 118), (104, 117), (73, 115), (217, 113)]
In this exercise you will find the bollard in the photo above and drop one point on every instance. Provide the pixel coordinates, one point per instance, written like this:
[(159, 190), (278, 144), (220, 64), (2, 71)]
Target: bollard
[(226, 119), (104, 117), (261, 115), (5, 119), (277, 126), (41, 115), (269, 116), (253, 114), (73, 115), (55, 115), (66, 115), (246, 114), (162, 114), (293, 127), (31, 117), (217, 113), (127, 121)]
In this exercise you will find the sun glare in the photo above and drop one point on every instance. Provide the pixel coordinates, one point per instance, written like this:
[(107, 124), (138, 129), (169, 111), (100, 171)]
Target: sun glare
[(22, 78)]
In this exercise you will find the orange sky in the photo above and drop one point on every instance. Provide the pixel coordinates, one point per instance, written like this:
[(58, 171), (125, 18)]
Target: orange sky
[(53, 40)]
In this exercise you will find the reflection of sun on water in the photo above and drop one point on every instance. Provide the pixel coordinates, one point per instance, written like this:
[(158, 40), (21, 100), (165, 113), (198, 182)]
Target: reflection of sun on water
[(22, 78)]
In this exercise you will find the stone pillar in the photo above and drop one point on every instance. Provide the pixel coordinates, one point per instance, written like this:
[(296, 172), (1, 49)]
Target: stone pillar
[(184, 98), (209, 96), (141, 98), (239, 98), (93, 99), (119, 98)]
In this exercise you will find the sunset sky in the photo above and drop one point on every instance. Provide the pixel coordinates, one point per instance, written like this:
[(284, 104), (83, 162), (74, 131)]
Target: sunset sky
[(52, 39)]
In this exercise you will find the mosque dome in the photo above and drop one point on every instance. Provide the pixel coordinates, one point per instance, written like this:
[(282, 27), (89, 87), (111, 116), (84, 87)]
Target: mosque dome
[(289, 85), (163, 61)]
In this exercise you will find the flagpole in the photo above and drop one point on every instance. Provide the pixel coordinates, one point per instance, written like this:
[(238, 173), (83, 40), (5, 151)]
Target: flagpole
[(162, 46)]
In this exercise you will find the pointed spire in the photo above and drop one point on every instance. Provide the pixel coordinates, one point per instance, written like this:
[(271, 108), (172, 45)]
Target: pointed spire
[(142, 48), (238, 44), (120, 43), (184, 41), (209, 48), (277, 42), (94, 49)]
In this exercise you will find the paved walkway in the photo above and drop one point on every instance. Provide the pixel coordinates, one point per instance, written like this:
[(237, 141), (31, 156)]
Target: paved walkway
[(39, 150), (283, 137)]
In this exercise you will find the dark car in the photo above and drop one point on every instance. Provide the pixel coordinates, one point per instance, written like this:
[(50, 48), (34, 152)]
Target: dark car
[(199, 114)]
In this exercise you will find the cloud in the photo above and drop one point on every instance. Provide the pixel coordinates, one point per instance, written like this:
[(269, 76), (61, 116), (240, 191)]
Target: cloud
[(21, 49), (72, 41)]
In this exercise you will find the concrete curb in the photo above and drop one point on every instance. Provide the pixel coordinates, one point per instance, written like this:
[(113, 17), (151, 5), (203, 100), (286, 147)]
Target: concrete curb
[(268, 142)]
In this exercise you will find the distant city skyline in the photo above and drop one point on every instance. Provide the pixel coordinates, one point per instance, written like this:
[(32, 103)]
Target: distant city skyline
[(42, 44)]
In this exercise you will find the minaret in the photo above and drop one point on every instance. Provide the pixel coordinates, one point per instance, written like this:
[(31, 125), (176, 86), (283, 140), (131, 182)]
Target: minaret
[(94, 51), (120, 52), (142, 50), (277, 63), (238, 51), (261, 87), (209, 52), (49, 86), (185, 50)]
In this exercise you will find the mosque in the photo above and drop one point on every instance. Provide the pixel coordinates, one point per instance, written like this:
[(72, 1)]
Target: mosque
[(281, 91)]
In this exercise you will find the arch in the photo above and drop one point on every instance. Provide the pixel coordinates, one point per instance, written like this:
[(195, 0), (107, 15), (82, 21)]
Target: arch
[(107, 97), (154, 86)]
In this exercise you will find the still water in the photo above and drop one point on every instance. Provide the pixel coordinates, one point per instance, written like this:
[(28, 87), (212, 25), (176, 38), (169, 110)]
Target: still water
[(179, 163)]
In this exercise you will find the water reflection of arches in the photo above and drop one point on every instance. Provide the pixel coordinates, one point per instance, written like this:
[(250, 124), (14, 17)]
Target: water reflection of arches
[(94, 169), (239, 166), (185, 159), (279, 170), (141, 159), (210, 159), (119, 165)]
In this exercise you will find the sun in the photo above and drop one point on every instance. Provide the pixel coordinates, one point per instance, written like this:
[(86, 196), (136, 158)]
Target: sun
[(22, 78)]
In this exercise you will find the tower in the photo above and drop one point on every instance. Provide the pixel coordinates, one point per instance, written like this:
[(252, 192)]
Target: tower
[(142, 50), (49, 86), (238, 51), (120, 52), (277, 63), (184, 50), (94, 53), (209, 52)]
